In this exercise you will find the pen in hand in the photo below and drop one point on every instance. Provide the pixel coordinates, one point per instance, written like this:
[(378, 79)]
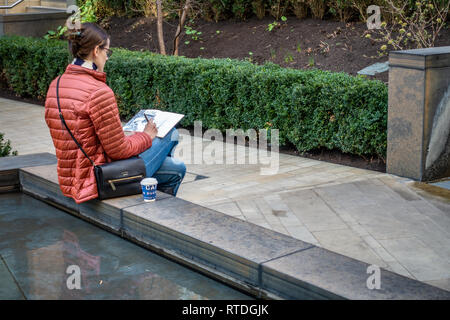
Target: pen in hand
[(148, 120), (152, 130)]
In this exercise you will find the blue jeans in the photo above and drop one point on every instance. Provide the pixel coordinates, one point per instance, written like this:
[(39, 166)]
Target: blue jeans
[(160, 164)]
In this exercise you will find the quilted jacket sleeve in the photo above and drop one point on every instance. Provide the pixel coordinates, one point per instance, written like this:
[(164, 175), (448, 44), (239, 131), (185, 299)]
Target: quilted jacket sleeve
[(104, 113)]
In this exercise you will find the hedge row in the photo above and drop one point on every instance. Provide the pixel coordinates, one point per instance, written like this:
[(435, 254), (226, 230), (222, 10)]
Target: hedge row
[(311, 109)]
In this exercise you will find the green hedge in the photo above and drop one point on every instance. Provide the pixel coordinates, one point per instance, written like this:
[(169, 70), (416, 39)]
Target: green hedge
[(311, 109), (5, 147), (28, 65)]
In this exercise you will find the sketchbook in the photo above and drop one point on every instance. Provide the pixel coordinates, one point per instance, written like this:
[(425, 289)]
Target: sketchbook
[(164, 121)]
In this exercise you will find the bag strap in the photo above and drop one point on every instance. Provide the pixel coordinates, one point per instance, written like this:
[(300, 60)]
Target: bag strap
[(65, 124)]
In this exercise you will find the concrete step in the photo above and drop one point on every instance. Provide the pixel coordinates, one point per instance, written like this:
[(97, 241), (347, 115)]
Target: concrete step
[(32, 24), (18, 8), (33, 9), (55, 3)]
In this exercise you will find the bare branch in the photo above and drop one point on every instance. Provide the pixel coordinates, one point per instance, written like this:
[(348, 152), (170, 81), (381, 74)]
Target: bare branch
[(182, 20), (162, 47)]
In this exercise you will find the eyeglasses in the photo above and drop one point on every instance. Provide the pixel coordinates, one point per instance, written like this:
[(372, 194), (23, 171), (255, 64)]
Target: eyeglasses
[(109, 52)]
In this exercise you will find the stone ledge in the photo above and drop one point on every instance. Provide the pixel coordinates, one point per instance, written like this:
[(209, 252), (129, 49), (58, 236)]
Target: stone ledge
[(327, 275), (42, 182), (32, 16), (29, 160), (9, 169), (263, 262), (225, 243), (420, 59)]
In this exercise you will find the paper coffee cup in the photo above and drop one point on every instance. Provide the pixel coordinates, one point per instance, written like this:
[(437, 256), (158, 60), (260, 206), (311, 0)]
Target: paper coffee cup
[(148, 186)]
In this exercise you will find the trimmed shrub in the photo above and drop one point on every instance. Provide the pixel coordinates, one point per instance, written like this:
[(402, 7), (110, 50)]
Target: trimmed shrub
[(5, 147), (318, 8), (312, 109), (342, 8), (299, 8), (29, 64)]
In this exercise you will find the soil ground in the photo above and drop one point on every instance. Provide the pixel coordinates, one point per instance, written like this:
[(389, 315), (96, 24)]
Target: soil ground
[(298, 44)]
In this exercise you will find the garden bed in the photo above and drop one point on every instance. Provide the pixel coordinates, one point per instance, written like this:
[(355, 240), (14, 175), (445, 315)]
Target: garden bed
[(298, 44)]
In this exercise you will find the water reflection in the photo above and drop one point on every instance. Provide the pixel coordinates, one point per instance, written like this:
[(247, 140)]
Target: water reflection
[(48, 270), (39, 243)]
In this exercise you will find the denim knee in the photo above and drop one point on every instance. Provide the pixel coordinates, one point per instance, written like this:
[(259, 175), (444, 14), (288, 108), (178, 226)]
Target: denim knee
[(180, 168), (174, 135)]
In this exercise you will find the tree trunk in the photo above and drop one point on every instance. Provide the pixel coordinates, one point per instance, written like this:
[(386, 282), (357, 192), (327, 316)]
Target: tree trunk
[(159, 24), (180, 27)]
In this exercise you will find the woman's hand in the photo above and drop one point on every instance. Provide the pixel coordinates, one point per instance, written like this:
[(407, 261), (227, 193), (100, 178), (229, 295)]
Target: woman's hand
[(150, 129)]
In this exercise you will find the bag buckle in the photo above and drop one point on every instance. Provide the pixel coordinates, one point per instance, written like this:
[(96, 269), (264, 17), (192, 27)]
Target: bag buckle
[(112, 185)]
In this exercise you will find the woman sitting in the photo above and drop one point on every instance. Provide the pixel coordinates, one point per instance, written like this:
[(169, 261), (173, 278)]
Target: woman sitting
[(90, 110)]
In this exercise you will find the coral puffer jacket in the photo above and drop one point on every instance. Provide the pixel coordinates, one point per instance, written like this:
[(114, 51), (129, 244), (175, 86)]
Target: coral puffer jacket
[(90, 110)]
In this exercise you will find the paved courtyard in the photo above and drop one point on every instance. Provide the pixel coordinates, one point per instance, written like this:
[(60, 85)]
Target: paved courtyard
[(374, 217)]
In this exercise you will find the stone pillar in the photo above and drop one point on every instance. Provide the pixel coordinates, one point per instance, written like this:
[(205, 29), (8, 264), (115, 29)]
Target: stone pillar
[(418, 140)]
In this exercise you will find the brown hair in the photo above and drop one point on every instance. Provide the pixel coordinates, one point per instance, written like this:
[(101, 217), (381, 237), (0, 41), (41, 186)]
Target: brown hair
[(83, 41)]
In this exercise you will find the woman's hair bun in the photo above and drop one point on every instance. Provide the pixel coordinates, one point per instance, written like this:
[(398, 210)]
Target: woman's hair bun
[(82, 41), (74, 34), (77, 34)]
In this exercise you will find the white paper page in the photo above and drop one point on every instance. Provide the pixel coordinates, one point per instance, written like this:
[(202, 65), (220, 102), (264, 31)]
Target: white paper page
[(164, 121)]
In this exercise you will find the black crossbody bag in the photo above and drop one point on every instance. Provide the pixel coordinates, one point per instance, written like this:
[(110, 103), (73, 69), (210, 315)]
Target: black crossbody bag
[(114, 179)]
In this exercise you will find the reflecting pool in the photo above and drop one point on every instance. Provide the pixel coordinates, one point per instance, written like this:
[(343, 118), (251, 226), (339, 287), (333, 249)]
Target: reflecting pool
[(46, 253)]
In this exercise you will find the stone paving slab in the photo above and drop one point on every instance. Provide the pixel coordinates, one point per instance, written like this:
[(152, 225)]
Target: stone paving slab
[(314, 212), (425, 264), (367, 220), (322, 271), (229, 208), (36, 138), (347, 242)]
